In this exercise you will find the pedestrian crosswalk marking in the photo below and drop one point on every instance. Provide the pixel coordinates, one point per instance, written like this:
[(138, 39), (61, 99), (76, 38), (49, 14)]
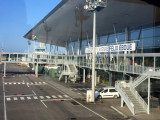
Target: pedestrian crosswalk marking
[(40, 83), (54, 96), (19, 83), (10, 83), (22, 98), (35, 82), (31, 82), (41, 97), (48, 97), (15, 98), (8, 99), (29, 98), (15, 83), (66, 96), (60, 96), (35, 97), (23, 83)]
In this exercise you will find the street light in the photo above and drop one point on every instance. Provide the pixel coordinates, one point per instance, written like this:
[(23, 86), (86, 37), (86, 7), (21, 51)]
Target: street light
[(93, 6)]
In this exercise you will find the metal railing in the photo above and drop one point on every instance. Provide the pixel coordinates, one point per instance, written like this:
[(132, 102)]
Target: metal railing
[(124, 96), (140, 99)]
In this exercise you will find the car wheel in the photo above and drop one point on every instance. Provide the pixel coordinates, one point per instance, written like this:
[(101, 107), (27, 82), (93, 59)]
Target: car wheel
[(115, 96), (99, 97)]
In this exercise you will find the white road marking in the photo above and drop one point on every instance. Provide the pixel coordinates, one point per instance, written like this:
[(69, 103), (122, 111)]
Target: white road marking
[(60, 96), (44, 104), (79, 88), (14, 83), (44, 82), (41, 97), (35, 82), (119, 112), (4, 102), (5, 83), (10, 83), (29, 98), (15, 98), (35, 97), (32, 83), (22, 98), (54, 96), (48, 97), (27, 85), (66, 96), (79, 103), (19, 83), (79, 93), (33, 92), (8, 99), (40, 83), (23, 83)]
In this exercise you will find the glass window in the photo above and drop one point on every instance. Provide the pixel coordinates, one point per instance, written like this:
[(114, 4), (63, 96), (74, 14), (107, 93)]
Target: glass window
[(105, 91), (157, 31), (112, 90), (112, 39), (120, 37), (147, 33), (135, 34), (103, 40)]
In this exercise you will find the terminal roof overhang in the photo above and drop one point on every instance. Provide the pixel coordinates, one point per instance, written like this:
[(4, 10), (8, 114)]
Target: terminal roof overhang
[(68, 21)]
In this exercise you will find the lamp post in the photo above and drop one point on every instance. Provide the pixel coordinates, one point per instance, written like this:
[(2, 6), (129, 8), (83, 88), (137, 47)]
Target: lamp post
[(93, 6)]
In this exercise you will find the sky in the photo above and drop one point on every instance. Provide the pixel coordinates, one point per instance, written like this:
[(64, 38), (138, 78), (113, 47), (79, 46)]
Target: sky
[(17, 17)]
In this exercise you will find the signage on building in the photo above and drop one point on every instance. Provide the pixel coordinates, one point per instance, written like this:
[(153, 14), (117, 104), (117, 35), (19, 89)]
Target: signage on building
[(113, 48)]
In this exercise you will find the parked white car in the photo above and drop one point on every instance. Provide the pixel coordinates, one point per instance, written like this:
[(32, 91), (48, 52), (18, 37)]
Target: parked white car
[(106, 92)]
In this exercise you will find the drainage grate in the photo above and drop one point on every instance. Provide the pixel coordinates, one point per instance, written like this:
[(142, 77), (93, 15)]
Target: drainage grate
[(74, 103)]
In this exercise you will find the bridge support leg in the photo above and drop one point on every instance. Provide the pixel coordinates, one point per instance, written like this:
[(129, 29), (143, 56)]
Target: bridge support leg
[(4, 75), (95, 77), (84, 75), (122, 102), (149, 83), (110, 78), (66, 79), (36, 70)]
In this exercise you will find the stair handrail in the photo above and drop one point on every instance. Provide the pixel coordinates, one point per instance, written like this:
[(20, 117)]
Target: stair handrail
[(125, 97), (141, 78), (139, 98)]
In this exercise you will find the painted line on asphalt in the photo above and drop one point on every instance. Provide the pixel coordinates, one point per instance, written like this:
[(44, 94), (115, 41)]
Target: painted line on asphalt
[(34, 92), (19, 95), (44, 104), (79, 102), (119, 112), (5, 112)]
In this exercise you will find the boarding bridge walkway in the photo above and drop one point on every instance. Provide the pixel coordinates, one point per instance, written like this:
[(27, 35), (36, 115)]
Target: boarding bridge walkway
[(124, 63), (127, 90)]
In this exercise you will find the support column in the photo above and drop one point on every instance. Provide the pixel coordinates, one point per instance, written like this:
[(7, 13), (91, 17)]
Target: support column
[(110, 78), (95, 77), (36, 70), (66, 79), (84, 75), (122, 102), (4, 75), (149, 81)]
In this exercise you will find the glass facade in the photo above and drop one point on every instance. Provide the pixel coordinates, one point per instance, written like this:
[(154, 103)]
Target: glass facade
[(147, 40)]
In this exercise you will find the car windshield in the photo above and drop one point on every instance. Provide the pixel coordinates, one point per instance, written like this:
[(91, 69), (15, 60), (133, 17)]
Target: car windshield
[(100, 90)]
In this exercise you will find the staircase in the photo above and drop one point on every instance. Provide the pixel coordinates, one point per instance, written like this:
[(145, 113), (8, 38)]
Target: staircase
[(71, 72), (131, 97)]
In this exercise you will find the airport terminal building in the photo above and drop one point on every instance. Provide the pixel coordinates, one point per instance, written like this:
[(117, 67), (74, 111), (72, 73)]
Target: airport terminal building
[(127, 46)]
